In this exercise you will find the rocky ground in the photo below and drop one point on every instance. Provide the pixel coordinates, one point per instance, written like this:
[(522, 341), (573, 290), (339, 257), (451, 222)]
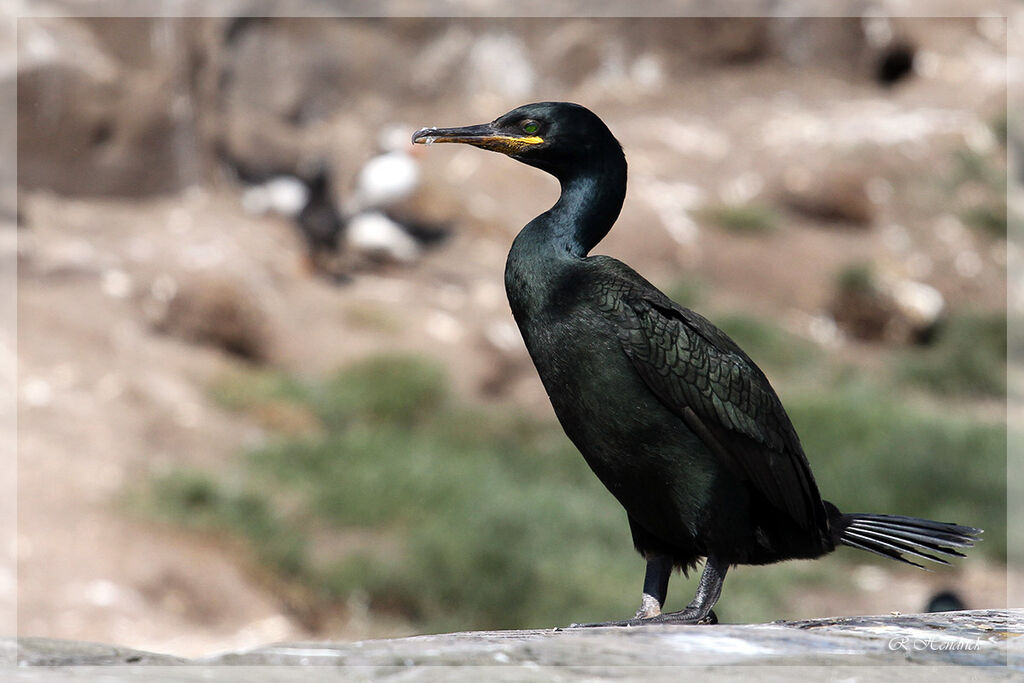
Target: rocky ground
[(983, 643), (114, 290)]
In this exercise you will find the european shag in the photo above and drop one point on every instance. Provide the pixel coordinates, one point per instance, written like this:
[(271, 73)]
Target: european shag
[(671, 415)]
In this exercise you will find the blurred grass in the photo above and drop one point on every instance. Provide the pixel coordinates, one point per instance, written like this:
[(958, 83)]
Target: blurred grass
[(489, 519), (1000, 126), (874, 453), (751, 219), (768, 345), (687, 292), (856, 278), (980, 180), (990, 217), (966, 358), (373, 318), (972, 166), (499, 520)]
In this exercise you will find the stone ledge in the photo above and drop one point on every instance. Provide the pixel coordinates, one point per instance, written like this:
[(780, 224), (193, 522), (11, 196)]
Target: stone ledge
[(971, 638)]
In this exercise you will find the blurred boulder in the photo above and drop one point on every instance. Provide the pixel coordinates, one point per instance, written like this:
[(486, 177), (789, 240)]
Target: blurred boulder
[(730, 39), (834, 196), (894, 310), (137, 42), (834, 42), (214, 310), (282, 70), (88, 124)]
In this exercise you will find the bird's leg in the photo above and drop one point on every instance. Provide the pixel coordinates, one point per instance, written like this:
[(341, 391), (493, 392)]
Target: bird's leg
[(656, 586), (708, 591), (659, 569)]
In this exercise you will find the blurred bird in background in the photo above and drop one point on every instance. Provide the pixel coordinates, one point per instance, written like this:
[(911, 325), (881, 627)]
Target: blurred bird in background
[(305, 197), (379, 226), (945, 601), (372, 226)]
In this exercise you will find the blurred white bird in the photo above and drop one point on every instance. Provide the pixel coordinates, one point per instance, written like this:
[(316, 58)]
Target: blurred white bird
[(284, 194), (304, 195), (390, 177), (373, 234), (378, 228), (921, 303)]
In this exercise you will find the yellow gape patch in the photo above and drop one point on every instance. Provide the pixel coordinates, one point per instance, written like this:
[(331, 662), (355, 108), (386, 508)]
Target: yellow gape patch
[(505, 143)]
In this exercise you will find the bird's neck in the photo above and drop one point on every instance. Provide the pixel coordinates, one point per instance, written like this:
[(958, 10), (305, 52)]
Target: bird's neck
[(590, 201), (589, 204), (587, 208)]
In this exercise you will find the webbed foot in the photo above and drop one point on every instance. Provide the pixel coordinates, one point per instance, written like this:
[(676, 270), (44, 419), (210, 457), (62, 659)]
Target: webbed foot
[(686, 616)]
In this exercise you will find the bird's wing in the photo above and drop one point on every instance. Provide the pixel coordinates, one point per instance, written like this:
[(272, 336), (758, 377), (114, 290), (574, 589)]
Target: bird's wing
[(700, 374)]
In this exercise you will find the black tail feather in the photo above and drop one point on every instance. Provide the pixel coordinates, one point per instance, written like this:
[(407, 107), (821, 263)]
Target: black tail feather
[(866, 538), (880, 551), (926, 540), (895, 536), (900, 520)]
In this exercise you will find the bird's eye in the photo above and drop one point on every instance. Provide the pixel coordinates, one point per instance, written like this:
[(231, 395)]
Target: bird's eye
[(530, 126)]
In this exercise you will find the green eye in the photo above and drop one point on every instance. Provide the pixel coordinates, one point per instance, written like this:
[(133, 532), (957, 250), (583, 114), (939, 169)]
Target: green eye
[(530, 126)]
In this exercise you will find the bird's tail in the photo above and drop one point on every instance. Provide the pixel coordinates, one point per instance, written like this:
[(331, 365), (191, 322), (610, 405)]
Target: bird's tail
[(895, 536)]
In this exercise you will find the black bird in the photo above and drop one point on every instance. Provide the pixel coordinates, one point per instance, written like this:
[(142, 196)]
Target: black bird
[(304, 195), (670, 414), (895, 64), (319, 221), (945, 601)]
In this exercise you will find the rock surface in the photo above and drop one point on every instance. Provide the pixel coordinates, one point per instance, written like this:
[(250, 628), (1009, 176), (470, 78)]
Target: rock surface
[(975, 639)]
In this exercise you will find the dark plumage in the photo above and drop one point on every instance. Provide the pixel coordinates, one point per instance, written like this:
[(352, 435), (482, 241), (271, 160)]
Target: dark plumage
[(319, 221), (672, 416), (895, 63), (305, 196), (945, 601)]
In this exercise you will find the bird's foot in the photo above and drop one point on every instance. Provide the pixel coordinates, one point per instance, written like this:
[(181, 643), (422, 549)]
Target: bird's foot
[(649, 607), (686, 616)]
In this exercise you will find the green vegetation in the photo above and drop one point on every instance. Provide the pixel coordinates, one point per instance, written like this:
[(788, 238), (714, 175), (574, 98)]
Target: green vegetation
[(981, 179), (769, 346), (989, 217), (373, 318), (857, 278), (685, 292), (966, 358), (971, 166), (740, 218), (873, 453), (252, 387), (459, 518), (484, 519), (1001, 128)]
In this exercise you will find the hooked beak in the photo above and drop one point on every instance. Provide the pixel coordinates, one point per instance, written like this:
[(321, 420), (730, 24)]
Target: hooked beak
[(483, 135)]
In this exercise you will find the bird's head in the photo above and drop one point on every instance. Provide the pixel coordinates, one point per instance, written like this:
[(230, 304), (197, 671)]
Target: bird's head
[(558, 137)]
